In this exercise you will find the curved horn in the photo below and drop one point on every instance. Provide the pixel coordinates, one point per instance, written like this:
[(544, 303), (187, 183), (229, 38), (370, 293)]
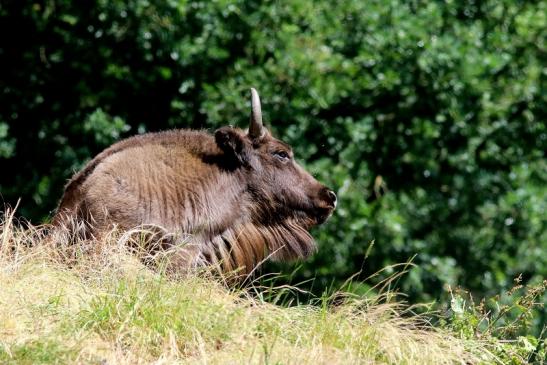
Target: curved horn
[(256, 129)]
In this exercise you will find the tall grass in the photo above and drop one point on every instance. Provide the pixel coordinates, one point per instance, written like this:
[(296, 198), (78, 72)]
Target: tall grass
[(95, 302)]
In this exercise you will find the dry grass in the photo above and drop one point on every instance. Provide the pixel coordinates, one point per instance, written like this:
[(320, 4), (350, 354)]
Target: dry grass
[(94, 302)]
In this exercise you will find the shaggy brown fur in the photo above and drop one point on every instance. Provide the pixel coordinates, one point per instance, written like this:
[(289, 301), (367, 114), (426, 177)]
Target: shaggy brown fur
[(233, 197)]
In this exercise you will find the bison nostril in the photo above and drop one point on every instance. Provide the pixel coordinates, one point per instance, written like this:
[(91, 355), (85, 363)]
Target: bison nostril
[(332, 196)]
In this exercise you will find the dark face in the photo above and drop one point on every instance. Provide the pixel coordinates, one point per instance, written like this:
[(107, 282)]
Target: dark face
[(281, 187)]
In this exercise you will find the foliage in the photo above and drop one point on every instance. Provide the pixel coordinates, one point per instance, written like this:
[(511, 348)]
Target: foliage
[(501, 318), (427, 117)]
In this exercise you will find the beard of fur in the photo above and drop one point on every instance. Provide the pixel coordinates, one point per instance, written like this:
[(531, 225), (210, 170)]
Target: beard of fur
[(242, 248)]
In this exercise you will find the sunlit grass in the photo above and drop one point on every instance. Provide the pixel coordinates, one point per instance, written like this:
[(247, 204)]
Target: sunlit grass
[(95, 302)]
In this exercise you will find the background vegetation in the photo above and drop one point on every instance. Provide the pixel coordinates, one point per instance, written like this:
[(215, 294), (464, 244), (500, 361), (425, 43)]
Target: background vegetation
[(427, 117)]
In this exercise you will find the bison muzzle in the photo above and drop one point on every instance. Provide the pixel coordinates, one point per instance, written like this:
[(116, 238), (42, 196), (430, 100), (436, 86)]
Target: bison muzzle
[(237, 197)]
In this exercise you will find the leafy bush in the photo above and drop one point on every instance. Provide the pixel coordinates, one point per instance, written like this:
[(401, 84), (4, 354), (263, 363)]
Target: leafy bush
[(504, 321)]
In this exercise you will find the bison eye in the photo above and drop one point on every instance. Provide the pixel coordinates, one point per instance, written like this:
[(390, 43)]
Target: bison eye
[(281, 155)]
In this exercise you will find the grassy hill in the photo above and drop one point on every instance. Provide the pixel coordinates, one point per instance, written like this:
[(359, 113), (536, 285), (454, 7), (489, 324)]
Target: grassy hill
[(96, 303)]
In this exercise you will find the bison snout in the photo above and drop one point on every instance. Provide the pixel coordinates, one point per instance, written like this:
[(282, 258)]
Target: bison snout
[(328, 197), (332, 197), (325, 204)]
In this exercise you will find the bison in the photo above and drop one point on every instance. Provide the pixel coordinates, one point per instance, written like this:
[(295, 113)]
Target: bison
[(237, 197)]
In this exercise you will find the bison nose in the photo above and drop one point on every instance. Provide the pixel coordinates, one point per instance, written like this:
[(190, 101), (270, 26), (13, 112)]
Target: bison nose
[(332, 197)]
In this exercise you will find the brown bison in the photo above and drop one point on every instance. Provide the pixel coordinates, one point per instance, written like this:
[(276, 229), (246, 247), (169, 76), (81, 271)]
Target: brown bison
[(236, 197)]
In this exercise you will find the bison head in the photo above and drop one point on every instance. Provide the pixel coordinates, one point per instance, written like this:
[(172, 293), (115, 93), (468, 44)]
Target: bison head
[(282, 192)]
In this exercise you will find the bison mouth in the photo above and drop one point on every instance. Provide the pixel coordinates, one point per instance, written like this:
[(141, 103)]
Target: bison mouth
[(324, 205), (322, 214), (306, 215), (313, 216)]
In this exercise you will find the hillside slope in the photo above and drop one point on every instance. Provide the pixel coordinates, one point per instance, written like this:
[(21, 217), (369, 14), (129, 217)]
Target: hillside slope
[(95, 303)]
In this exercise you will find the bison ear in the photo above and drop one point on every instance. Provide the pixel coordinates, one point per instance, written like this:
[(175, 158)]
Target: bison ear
[(234, 144)]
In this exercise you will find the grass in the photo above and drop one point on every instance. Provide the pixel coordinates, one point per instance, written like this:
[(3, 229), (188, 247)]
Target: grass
[(96, 303)]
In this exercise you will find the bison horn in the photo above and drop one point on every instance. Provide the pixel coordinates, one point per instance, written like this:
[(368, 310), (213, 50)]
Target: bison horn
[(256, 129)]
